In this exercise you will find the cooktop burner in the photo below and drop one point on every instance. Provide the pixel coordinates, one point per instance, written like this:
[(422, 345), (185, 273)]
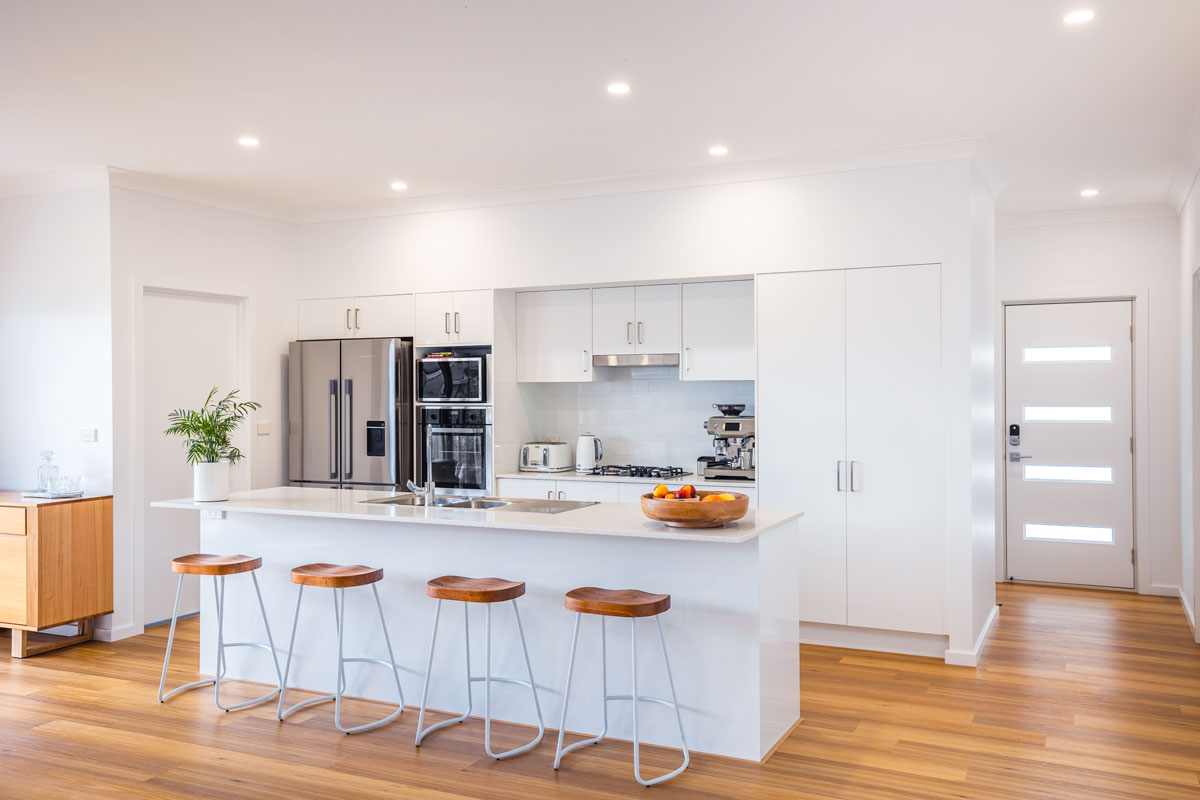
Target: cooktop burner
[(637, 471)]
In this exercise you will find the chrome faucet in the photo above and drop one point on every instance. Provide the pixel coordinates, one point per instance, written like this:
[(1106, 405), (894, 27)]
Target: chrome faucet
[(429, 491)]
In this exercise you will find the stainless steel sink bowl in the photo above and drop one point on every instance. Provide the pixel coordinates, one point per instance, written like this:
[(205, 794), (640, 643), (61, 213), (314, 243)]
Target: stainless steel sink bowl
[(415, 500), (480, 503)]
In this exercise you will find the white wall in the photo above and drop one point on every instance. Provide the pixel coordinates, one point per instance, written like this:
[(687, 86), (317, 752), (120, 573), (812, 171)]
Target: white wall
[(1122, 258), (643, 416), (55, 346), (1189, 396), (174, 245), (915, 214)]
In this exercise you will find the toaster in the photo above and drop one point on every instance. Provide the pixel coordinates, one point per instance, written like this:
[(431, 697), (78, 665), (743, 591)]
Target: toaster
[(546, 457)]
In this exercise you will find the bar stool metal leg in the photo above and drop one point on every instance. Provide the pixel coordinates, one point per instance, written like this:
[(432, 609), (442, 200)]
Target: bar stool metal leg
[(487, 679), (561, 751), (339, 612), (215, 682)]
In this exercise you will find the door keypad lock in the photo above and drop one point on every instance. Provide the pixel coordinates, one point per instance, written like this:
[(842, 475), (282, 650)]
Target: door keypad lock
[(1014, 435)]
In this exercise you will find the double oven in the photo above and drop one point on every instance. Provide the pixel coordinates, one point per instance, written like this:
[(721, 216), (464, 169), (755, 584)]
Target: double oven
[(454, 421)]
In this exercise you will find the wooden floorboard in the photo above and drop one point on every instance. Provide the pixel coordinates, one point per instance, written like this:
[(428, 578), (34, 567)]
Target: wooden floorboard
[(1079, 694)]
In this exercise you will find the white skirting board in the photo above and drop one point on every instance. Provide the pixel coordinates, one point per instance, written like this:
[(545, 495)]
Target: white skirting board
[(1185, 601), (117, 634), (970, 658), (909, 644)]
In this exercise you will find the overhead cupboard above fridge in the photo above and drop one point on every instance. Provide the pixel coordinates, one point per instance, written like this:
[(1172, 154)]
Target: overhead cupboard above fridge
[(350, 413)]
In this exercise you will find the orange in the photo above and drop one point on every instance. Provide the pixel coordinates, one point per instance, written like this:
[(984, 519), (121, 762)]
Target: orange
[(727, 496), (708, 498), (670, 496), (661, 490)]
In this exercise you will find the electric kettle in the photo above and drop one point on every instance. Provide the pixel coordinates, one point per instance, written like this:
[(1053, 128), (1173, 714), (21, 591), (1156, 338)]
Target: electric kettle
[(588, 452)]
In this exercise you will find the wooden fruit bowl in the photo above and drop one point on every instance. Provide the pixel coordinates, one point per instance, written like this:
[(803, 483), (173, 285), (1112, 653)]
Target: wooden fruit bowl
[(694, 514)]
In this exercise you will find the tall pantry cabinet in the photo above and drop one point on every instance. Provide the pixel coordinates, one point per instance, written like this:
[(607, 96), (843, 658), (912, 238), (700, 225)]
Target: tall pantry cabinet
[(849, 405)]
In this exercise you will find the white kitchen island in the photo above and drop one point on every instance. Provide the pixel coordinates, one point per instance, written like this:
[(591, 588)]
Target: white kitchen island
[(732, 630)]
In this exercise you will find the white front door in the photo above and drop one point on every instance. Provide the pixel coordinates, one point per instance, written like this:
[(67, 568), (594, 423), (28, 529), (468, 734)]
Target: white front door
[(1068, 442), (190, 346)]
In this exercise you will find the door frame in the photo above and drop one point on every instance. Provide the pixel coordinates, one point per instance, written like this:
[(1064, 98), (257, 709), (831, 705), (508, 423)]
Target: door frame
[(1139, 297), (240, 479)]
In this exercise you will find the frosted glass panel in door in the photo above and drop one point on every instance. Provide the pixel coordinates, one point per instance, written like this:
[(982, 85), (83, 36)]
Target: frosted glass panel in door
[(895, 440), (801, 419)]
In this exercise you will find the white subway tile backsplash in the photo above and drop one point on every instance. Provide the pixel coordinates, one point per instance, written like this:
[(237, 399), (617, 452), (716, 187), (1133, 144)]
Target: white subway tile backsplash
[(644, 416)]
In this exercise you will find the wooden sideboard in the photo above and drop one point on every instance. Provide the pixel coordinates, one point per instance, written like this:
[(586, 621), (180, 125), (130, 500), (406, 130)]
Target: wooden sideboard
[(56, 568)]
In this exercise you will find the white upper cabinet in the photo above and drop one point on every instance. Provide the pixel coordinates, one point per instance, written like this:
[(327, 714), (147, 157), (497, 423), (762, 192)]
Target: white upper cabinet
[(613, 319), (383, 316), (718, 332), (454, 318), (554, 336), (635, 319), (355, 317), (473, 315)]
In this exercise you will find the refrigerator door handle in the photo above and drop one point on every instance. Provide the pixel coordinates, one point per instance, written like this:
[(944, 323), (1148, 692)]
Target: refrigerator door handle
[(333, 429), (348, 413)]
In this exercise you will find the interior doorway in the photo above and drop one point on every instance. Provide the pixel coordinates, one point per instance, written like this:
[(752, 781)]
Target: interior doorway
[(1069, 480), (191, 343)]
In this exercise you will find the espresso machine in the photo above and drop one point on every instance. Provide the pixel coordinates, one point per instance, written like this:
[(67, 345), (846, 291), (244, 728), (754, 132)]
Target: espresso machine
[(733, 440)]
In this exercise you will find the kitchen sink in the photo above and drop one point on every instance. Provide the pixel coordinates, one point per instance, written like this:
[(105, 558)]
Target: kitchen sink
[(417, 500), (481, 503)]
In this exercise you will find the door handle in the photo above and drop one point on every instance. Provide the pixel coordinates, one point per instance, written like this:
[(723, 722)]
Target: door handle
[(456, 322), (1015, 457), (333, 426), (854, 476), (628, 333), (841, 470), (548, 497), (583, 360), (347, 319), (687, 359), (349, 415), (560, 495), (447, 323), (639, 332), (356, 319)]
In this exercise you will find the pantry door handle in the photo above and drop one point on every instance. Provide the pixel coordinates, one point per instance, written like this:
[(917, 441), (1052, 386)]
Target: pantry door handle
[(447, 323), (639, 332), (841, 470), (456, 322), (347, 319), (687, 359), (628, 333), (854, 476), (356, 318), (583, 360)]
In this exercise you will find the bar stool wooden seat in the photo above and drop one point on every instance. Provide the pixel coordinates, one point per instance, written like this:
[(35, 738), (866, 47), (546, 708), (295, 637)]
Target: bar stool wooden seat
[(632, 604), (218, 567), (340, 578), (486, 591)]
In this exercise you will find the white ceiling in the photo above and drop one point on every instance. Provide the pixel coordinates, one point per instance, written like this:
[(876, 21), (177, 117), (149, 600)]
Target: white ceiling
[(349, 95)]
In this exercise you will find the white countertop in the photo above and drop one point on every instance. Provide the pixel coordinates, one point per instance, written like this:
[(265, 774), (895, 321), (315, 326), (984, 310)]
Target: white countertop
[(604, 519), (572, 475)]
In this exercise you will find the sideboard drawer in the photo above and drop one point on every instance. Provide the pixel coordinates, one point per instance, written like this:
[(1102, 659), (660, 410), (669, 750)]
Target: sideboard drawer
[(14, 599), (12, 520)]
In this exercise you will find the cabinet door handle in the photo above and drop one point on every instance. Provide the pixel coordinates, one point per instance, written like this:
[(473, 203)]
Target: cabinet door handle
[(356, 318), (560, 495), (841, 470), (854, 487), (583, 360), (347, 319), (687, 359), (639, 332), (628, 333), (447, 323), (548, 497), (456, 322)]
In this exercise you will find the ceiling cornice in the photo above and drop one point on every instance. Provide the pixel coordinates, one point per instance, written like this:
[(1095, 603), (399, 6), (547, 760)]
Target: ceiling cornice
[(1085, 216), (1184, 181), (182, 190)]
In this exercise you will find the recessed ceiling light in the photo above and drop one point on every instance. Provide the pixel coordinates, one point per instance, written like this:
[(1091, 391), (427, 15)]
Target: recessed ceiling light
[(718, 150), (399, 186), (1089, 193), (618, 88), (248, 141), (1079, 17)]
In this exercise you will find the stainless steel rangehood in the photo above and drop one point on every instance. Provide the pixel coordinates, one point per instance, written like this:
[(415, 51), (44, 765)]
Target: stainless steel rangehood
[(637, 360)]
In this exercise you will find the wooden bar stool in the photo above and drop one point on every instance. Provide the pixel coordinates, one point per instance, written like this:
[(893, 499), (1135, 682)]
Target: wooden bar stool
[(219, 567), (486, 591), (339, 578), (633, 604)]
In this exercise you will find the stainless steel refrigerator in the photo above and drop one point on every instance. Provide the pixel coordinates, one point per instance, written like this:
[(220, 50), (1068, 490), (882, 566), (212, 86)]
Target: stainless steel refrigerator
[(350, 413)]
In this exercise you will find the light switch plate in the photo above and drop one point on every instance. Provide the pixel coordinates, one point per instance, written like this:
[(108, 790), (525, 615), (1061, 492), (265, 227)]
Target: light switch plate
[(264, 428), (88, 434)]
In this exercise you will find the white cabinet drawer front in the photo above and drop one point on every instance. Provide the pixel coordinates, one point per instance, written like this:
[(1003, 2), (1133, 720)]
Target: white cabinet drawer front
[(525, 488), (588, 491)]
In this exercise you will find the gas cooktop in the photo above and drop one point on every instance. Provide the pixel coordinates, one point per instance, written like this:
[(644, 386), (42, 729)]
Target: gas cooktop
[(638, 471)]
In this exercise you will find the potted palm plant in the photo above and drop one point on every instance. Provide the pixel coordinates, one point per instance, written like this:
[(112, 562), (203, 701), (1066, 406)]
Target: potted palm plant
[(206, 434)]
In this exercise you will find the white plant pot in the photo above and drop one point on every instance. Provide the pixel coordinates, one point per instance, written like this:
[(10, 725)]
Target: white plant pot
[(210, 482)]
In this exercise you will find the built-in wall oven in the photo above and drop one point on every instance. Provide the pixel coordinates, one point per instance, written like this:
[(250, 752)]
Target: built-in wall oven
[(453, 379), (456, 439)]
